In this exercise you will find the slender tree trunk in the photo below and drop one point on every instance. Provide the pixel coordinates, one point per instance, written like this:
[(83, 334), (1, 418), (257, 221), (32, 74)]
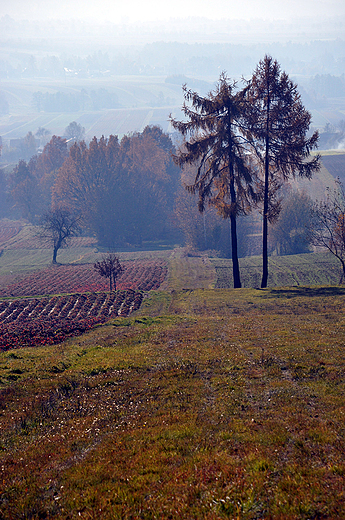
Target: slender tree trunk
[(233, 216), (266, 192), (233, 230), (111, 282), (55, 250), (205, 237), (234, 253), (57, 246), (343, 274), (265, 233)]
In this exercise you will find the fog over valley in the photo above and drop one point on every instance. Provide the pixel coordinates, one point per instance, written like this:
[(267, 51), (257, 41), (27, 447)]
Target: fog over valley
[(117, 69)]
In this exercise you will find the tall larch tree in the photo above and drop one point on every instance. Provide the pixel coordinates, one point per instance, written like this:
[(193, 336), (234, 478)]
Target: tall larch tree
[(213, 141), (46, 167), (277, 124)]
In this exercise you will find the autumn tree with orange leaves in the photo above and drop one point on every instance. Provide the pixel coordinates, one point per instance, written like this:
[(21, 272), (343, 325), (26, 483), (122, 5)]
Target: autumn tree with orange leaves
[(123, 188), (31, 182), (24, 191)]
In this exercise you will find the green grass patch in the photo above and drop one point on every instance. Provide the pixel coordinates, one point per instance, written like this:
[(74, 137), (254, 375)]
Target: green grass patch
[(292, 270), (190, 272), (229, 404)]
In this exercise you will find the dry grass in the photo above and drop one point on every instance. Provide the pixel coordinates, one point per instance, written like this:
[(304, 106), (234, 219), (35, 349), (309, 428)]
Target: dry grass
[(229, 404), (292, 270)]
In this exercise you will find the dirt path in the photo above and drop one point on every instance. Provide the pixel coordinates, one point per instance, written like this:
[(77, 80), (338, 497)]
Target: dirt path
[(189, 272)]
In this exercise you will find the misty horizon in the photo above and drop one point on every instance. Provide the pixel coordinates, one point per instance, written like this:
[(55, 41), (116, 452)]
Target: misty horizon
[(193, 29), (153, 10), (117, 75)]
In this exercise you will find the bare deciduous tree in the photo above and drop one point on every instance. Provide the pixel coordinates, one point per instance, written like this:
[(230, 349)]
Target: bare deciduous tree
[(58, 226), (75, 131), (111, 268), (289, 234), (327, 229)]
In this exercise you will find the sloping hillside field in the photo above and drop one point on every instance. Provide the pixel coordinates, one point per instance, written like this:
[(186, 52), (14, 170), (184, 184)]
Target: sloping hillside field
[(68, 299), (291, 270), (173, 397), (335, 164), (205, 404), (46, 320), (142, 275)]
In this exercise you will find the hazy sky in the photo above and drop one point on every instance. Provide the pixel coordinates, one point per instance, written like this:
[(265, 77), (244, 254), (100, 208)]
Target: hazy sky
[(120, 11)]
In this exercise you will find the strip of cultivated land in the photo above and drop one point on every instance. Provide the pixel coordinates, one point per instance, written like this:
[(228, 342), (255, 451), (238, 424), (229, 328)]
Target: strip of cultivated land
[(292, 270)]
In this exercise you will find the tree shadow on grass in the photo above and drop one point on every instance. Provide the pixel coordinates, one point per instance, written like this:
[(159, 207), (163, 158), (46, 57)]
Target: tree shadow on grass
[(310, 292)]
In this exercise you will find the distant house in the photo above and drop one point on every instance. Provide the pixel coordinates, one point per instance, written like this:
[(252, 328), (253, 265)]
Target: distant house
[(70, 141)]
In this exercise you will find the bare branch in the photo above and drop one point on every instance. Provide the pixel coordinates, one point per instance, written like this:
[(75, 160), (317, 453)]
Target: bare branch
[(111, 268), (58, 226)]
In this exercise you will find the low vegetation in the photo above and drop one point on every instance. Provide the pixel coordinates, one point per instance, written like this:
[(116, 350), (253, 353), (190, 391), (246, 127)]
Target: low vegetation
[(204, 404), (43, 321), (293, 270)]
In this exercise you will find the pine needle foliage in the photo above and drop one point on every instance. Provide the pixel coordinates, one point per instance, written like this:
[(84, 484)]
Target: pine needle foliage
[(214, 141), (277, 129)]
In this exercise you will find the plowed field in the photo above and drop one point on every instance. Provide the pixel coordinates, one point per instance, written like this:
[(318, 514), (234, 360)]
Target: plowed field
[(30, 322), (142, 275)]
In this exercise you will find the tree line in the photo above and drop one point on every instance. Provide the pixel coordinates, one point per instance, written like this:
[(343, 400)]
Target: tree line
[(75, 101), (165, 58), (123, 190)]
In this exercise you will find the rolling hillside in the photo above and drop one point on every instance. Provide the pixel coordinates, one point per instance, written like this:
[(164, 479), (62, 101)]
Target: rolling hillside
[(335, 164)]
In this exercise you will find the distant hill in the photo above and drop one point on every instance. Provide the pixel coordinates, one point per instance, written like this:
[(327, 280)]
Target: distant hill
[(315, 187), (332, 166), (335, 164)]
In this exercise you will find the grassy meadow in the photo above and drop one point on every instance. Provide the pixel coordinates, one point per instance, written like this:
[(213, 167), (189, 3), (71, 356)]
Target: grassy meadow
[(206, 403), (291, 270)]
